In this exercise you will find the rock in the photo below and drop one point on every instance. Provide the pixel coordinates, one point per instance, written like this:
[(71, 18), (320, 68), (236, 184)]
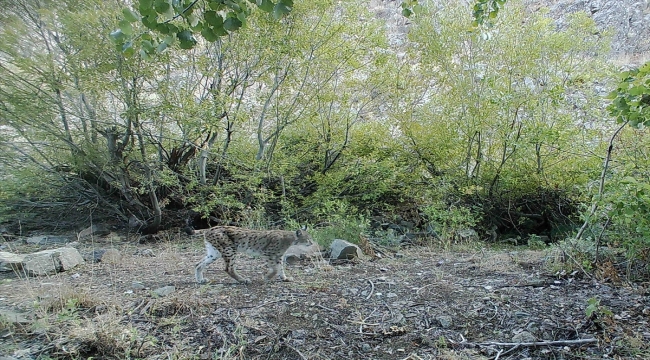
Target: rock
[(136, 285), (47, 240), (445, 321), (94, 230), (365, 347), (341, 249), (524, 337), (299, 252), (110, 256), (164, 291), (51, 261), (10, 261)]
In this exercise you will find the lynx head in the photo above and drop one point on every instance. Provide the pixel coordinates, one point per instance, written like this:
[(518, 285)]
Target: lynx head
[(302, 236)]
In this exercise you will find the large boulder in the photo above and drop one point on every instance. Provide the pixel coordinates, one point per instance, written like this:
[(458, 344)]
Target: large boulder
[(341, 249), (51, 261)]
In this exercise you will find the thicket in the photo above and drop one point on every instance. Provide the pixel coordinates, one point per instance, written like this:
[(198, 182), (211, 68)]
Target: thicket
[(328, 117)]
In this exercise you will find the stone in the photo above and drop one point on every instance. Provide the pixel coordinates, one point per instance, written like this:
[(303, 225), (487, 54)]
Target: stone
[(164, 291), (94, 230), (341, 249), (524, 337), (10, 261), (51, 261), (445, 321), (295, 253), (136, 285), (47, 240)]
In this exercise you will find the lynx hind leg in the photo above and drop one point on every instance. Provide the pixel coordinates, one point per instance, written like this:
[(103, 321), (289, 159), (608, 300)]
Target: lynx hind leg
[(273, 270), (228, 258), (212, 254)]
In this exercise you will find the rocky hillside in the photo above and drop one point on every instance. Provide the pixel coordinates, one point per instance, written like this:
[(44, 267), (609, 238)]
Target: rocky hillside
[(630, 20)]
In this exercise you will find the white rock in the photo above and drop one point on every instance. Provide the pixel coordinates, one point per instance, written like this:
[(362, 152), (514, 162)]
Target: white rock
[(341, 249), (51, 261)]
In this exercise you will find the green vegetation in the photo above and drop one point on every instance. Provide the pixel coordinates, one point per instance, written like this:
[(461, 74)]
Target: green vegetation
[(325, 117)]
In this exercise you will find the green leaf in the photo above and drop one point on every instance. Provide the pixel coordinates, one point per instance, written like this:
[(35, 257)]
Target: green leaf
[(212, 18), (186, 38), (144, 55), (150, 22), (232, 24), (130, 15), (126, 27), (280, 10), (148, 46), (638, 90), (146, 8), (216, 5), (127, 49), (161, 6), (209, 34), (161, 47), (265, 5), (406, 12), (117, 36)]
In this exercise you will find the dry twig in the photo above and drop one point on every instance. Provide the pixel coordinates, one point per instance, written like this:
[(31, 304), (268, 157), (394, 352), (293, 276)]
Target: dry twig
[(372, 289)]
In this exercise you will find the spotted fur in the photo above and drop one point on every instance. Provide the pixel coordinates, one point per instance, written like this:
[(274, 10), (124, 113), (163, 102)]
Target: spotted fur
[(226, 241)]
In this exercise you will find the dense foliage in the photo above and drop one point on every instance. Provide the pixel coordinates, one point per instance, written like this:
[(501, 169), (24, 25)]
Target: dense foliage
[(328, 116)]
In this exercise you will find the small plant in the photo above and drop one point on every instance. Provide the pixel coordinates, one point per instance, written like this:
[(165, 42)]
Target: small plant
[(535, 242), (599, 314)]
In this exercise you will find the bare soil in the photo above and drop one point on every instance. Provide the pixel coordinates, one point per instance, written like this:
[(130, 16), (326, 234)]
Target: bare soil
[(420, 304)]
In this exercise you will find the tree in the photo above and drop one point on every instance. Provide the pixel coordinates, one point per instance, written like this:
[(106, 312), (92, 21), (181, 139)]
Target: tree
[(167, 21)]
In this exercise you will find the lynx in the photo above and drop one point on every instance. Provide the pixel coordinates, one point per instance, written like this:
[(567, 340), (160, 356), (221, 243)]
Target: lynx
[(226, 241)]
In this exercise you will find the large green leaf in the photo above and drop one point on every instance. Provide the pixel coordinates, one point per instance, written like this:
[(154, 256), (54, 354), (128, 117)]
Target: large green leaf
[(213, 18), (232, 24)]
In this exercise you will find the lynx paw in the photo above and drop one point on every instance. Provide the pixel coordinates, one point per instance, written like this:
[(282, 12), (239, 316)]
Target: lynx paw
[(287, 279)]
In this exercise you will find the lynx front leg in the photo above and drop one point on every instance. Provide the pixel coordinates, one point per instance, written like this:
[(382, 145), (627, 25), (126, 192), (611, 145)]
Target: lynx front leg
[(212, 255), (282, 275), (230, 268)]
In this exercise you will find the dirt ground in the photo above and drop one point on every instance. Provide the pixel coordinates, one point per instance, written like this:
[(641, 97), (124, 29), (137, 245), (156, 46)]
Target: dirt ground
[(418, 303)]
